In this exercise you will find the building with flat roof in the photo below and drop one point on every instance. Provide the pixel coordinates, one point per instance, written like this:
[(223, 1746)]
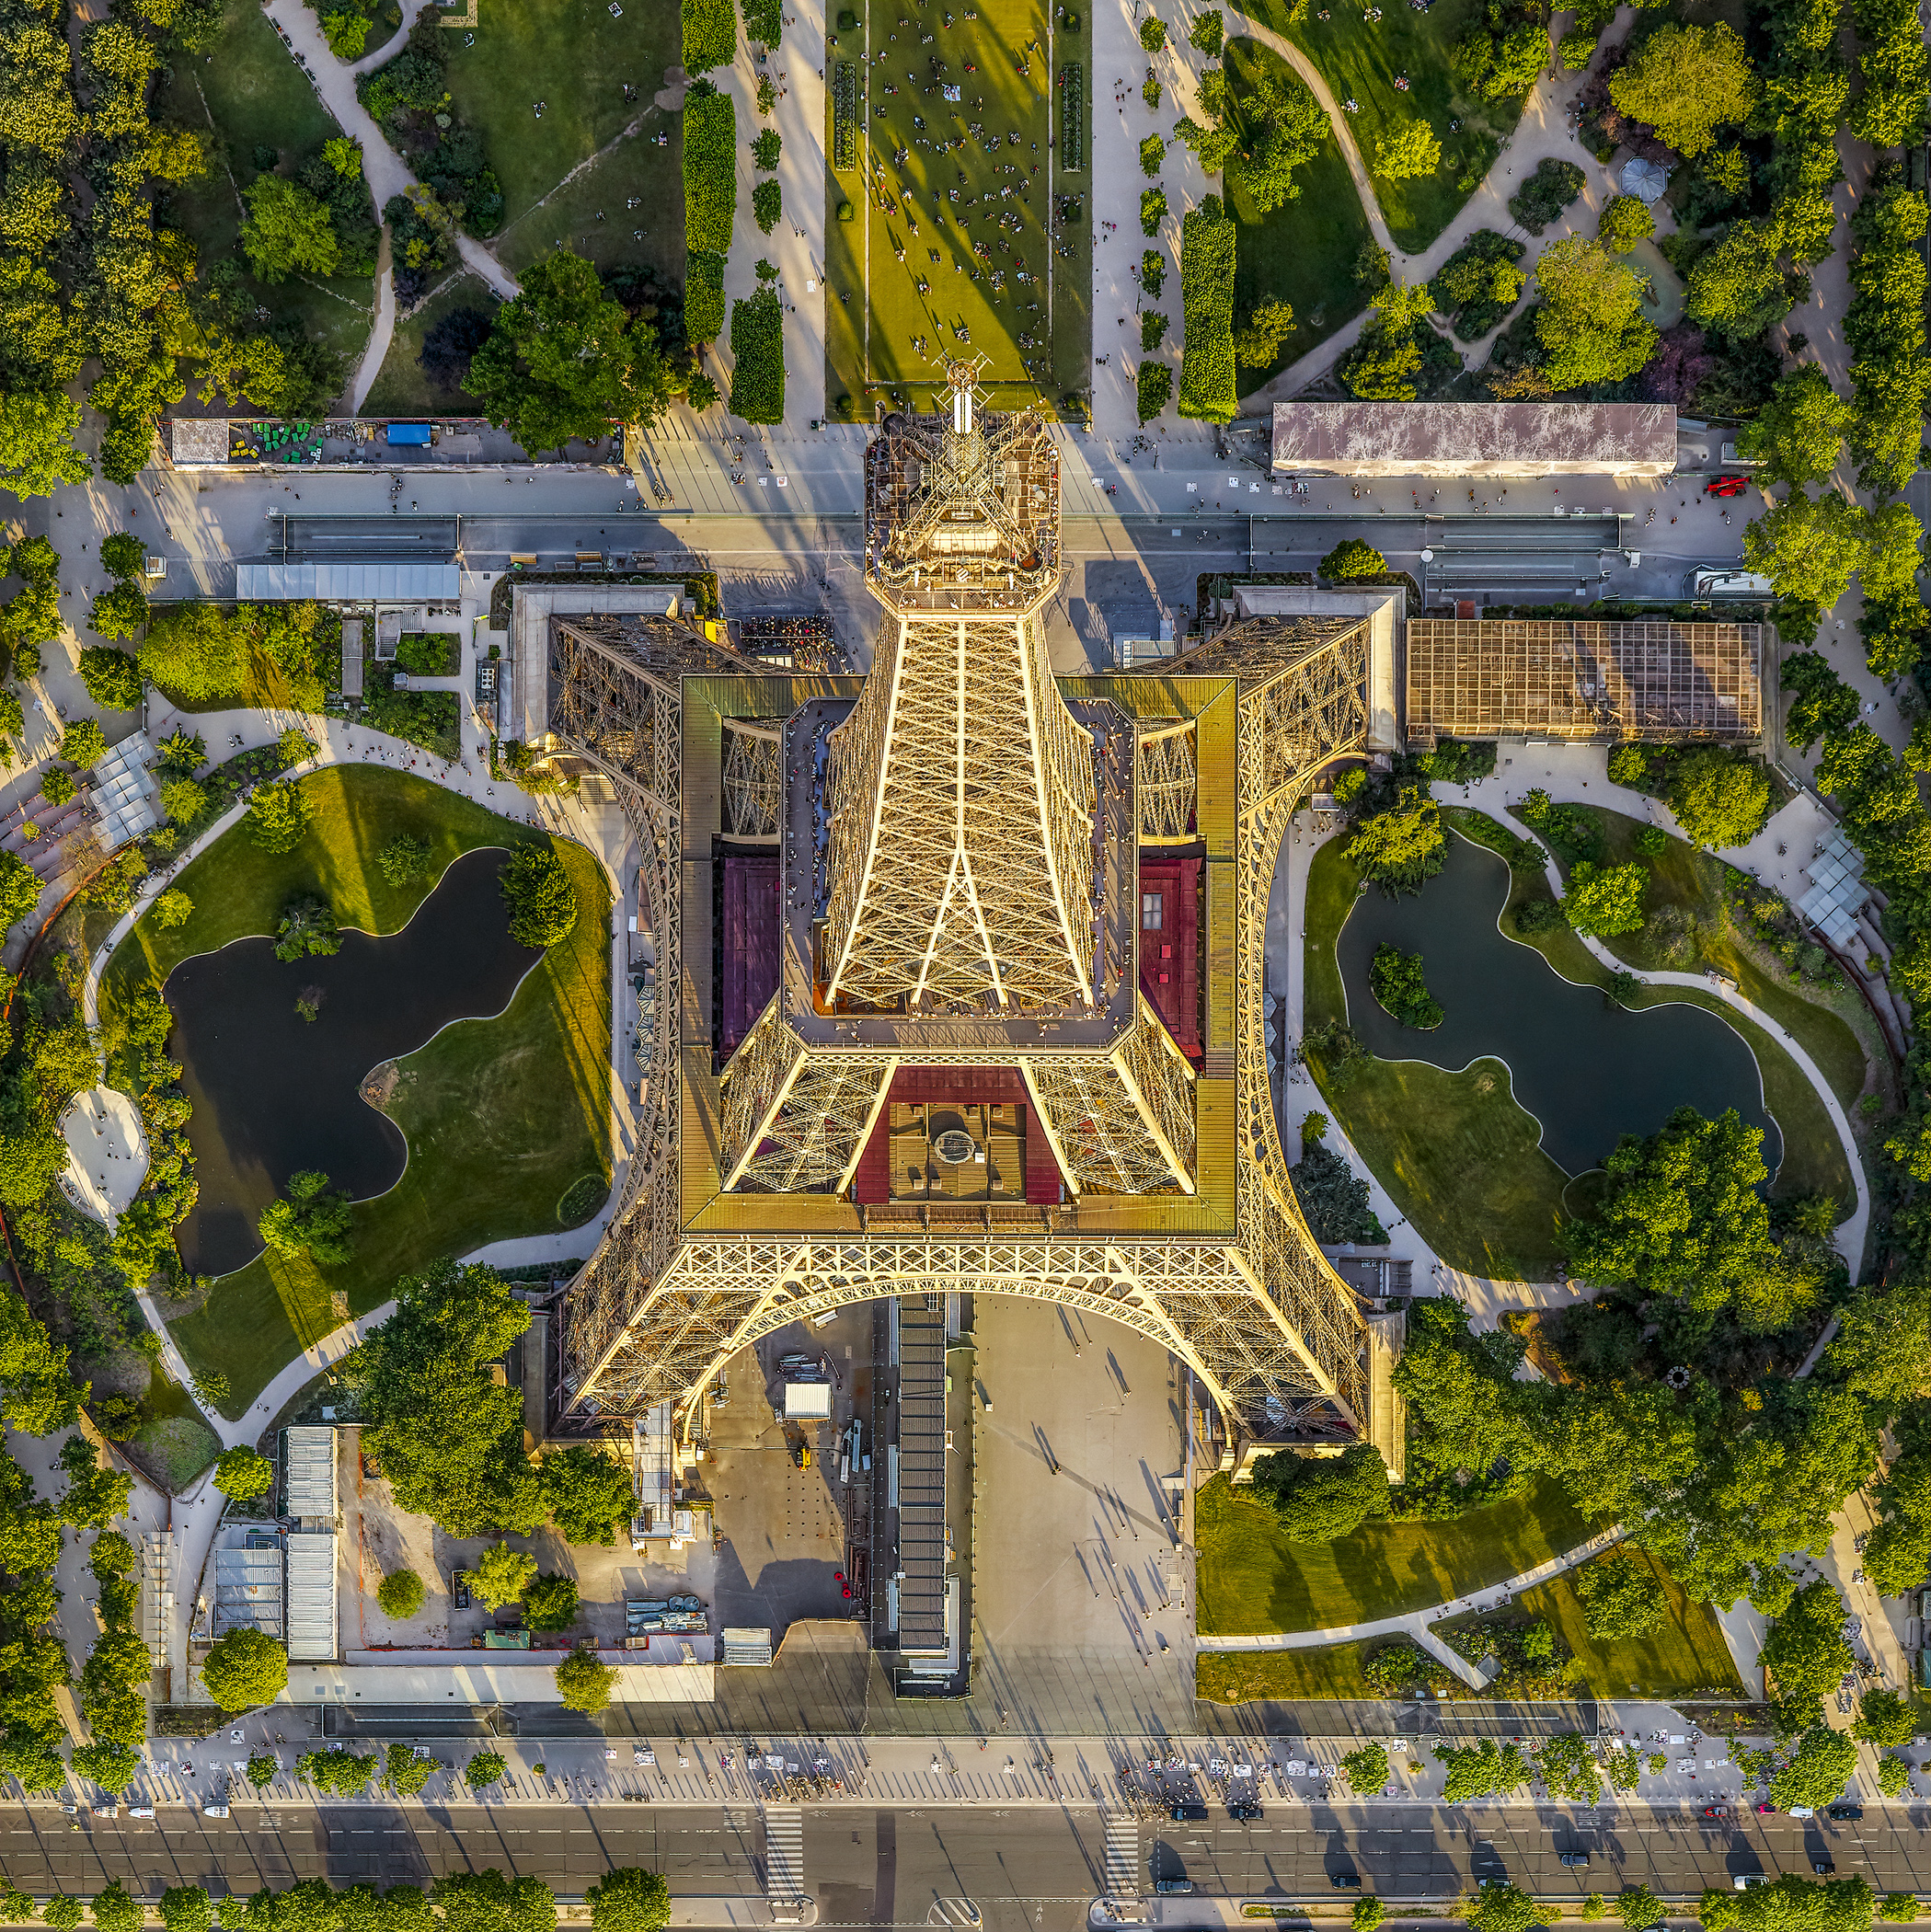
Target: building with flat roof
[(1505, 439)]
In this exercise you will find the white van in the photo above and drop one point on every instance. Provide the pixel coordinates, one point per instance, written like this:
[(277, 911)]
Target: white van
[(1727, 584)]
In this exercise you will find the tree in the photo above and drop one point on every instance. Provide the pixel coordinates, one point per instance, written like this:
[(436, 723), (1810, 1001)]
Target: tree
[(245, 1668), (187, 1908), (337, 1772), (57, 786), (1819, 1772), (628, 1900), (1686, 82), (1367, 1769), (449, 1441), (1606, 900), (501, 1574), (183, 801), (1719, 801), (313, 1220), (542, 900), (1500, 1908), (1351, 558), (1402, 847), (1322, 1499), (115, 1911), (241, 1475), (1590, 324), (1637, 1907), (563, 361), (407, 1773), (486, 1900), (306, 931), (550, 1603), (1285, 128), (1208, 33), (62, 1914), (36, 452), (590, 1496), (400, 1594), (1333, 1202), (1884, 1719), (1799, 433), (1626, 220), (19, 890), (1805, 1652), (1737, 286), (119, 611), (1152, 33), (111, 676), (1892, 557), (1406, 149), (1258, 341), (1882, 1349), (1622, 1597), (287, 229), (451, 344), (1806, 547), (279, 814), (583, 1684)]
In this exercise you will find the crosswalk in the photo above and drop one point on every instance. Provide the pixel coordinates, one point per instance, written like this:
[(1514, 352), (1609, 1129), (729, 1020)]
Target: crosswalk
[(783, 1857), (1123, 1855)]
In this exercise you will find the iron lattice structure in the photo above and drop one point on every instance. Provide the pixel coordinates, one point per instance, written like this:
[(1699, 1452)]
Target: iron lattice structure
[(1180, 1221), (1478, 677), (754, 780)]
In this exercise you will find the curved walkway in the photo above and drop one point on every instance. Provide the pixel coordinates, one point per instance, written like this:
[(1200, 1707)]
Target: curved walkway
[(1417, 1623)]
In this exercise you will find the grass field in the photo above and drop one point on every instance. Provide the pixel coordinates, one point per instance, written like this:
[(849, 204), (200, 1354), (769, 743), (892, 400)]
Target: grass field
[(1244, 1676), (401, 388), (1437, 1141), (254, 95), (891, 322), (1306, 250), (1686, 1656), (1362, 59), (576, 60), (1252, 1580)]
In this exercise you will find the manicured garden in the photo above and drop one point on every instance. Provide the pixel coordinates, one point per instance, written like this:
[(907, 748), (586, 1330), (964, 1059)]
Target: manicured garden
[(507, 1119), (953, 283), (1253, 1581), (1686, 1656)]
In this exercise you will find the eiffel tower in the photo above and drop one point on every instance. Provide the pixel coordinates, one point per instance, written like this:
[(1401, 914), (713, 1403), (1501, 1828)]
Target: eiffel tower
[(959, 966)]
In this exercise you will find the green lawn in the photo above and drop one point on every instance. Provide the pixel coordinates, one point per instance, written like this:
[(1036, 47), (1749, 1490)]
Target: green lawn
[(503, 1117), (637, 170), (1306, 249), (1686, 1657), (254, 95), (1438, 1142), (875, 308), (1360, 60), (401, 388), (576, 60), (1252, 1580), (1243, 1677)]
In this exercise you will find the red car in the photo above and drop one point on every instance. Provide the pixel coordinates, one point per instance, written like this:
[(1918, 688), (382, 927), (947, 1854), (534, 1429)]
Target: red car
[(1725, 486), (1761, 1809), (1716, 1811)]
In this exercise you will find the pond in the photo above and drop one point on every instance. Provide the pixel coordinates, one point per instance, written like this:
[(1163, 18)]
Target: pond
[(274, 1092), (1589, 1070)]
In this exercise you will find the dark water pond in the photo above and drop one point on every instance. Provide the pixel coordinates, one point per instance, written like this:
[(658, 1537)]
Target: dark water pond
[(274, 1092), (1588, 1071)]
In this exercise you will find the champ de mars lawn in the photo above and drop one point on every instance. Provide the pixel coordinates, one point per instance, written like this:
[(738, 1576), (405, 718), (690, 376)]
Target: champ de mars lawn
[(507, 1119)]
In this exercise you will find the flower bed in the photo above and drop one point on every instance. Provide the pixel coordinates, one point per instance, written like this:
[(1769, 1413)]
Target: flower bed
[(1072, 118), (844, 116)]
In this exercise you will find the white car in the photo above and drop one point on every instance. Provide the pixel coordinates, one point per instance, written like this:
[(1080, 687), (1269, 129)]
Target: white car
[(214, 1811)]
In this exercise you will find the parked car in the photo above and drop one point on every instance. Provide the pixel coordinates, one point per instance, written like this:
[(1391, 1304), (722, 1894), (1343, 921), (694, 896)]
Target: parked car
[(107, 1811), (1575, 1858), (1764, 1809), (1844, 1813), (140, 1811), (1188, 1813), (1725, 486), (1716, 1811), (1244, 1809), (1750, 1880), (1172, 1885), (1823, 1868), (214, 1811), (1345, 1880)]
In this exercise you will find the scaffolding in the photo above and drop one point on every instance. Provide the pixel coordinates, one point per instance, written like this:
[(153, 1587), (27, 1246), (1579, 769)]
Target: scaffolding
[(1559, 678)]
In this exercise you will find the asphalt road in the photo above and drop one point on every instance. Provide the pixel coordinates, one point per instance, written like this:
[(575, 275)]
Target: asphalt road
[(1033, 1865)]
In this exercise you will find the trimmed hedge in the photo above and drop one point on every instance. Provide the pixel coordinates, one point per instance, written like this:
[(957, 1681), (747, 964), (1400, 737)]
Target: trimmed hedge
[(703, 296), (844, 116), (1073, 119), (763, 20), (767, 202), (1156, 385), (710, 169), (710, 35), (1207, 299), (757, 348)]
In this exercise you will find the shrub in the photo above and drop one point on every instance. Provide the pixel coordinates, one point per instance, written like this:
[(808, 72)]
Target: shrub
[(542, 900), (710, 169), (1351, 557), (1152, 155), (767, 202), (241, 1475), (1542, 197), (767, 150), (1156, 388), (703, 296), (1207, 296), (845, 123), (1073, 119), (400, 1594), (710, 35), (1153, 210), (758, 347), (403, 859), (1396, 979)]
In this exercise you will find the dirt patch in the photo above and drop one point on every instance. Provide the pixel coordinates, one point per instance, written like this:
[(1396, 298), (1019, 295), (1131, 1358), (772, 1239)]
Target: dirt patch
[(380, 1085), (670, 96)]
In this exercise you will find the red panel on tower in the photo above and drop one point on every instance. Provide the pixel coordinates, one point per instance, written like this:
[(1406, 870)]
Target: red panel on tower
[(957, 1085), (1170, 946), (750, 926)]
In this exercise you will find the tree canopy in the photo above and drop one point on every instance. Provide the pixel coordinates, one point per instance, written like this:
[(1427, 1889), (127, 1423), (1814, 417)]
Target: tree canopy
[(1590, 324), (1807, 545), (542, 900), (1686, 82), (1798, 435), (312, 1219), (628, 1900), (241, 1475), (1621, 1596), (1718, 800), (1606, 900), (245, 1668), (1322, 1499), (589, 1495), (287, 229)]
